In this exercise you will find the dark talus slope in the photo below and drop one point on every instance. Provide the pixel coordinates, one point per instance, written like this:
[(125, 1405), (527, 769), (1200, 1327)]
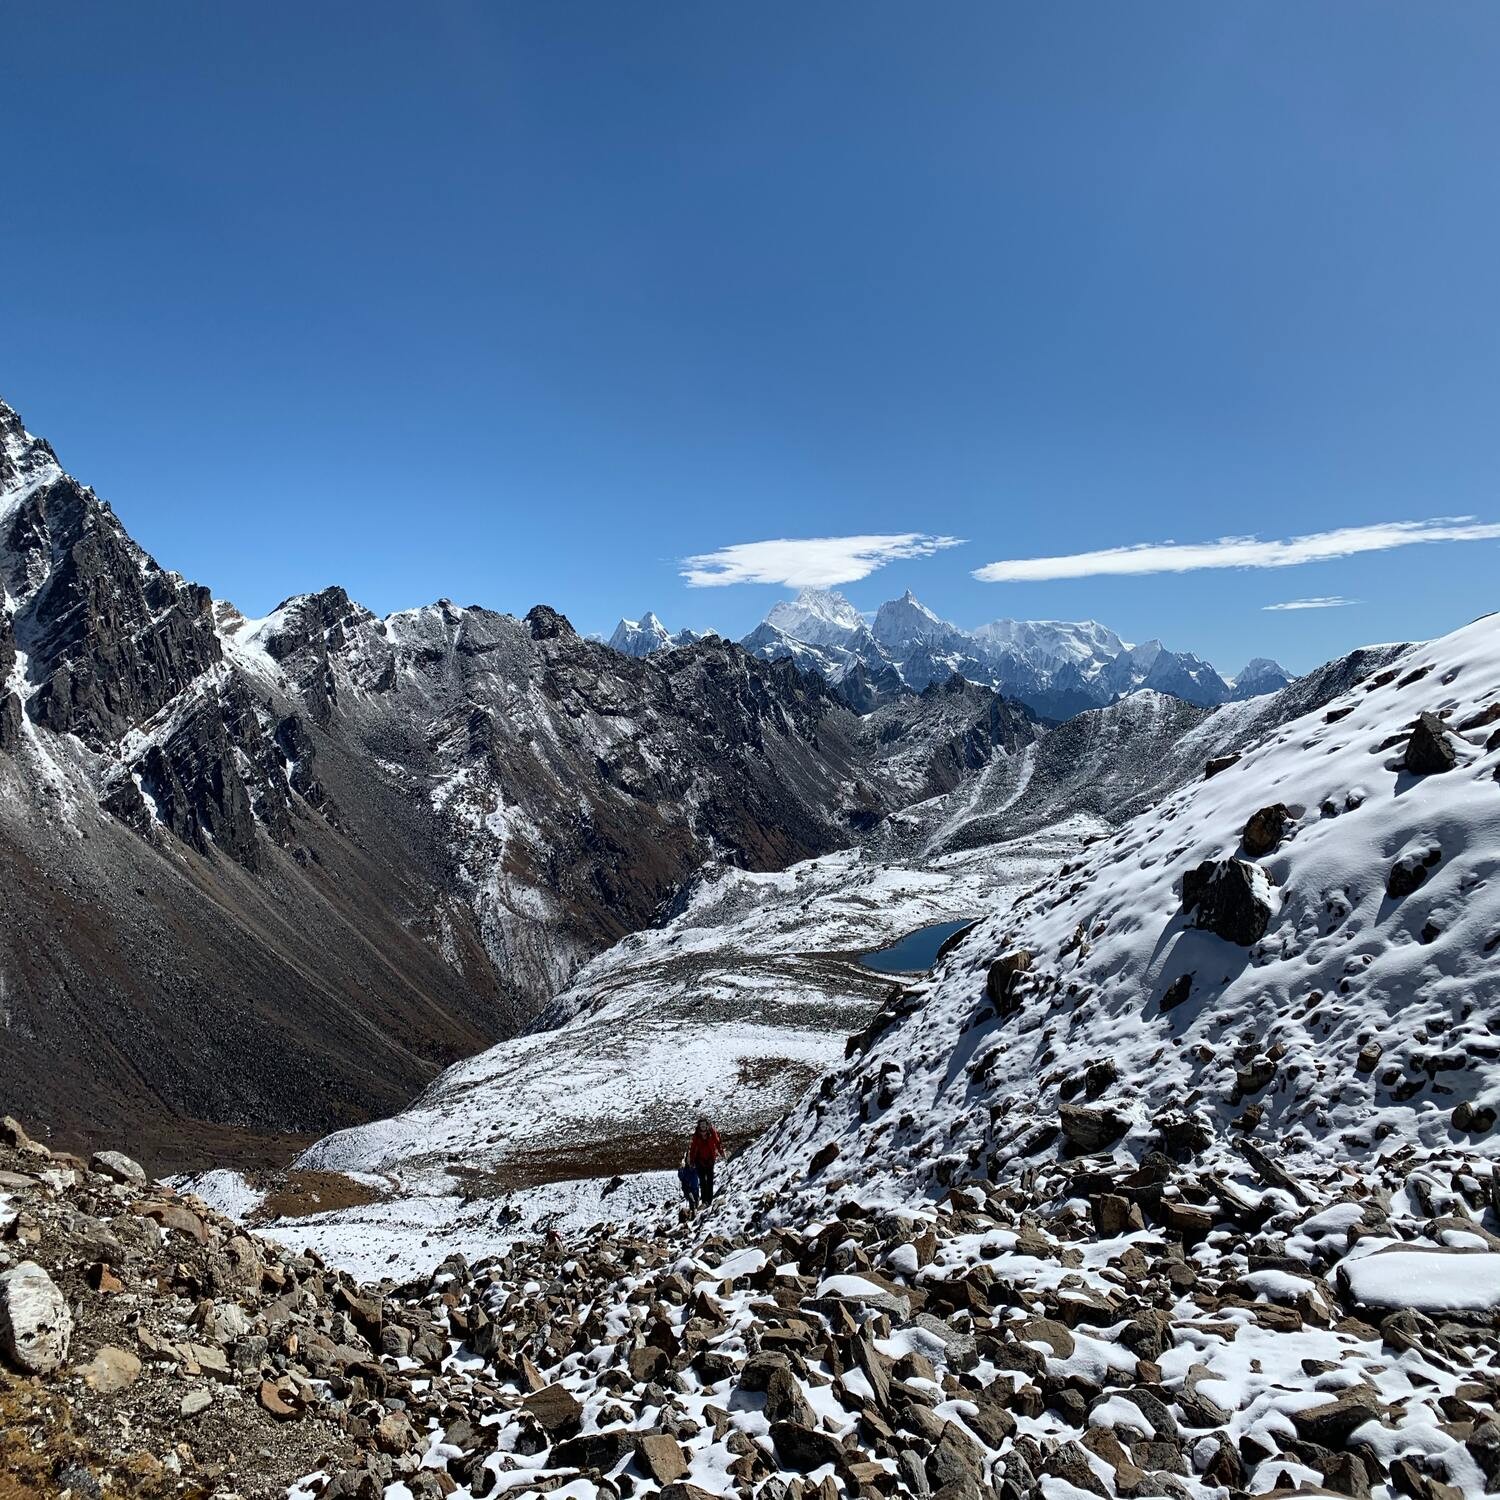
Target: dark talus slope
[(272, 875)]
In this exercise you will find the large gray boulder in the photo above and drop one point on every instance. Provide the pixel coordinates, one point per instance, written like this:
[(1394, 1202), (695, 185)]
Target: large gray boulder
[(35, 1324)]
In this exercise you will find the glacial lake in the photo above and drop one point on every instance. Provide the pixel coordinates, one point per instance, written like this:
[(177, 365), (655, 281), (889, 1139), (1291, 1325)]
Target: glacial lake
[(917, 951)]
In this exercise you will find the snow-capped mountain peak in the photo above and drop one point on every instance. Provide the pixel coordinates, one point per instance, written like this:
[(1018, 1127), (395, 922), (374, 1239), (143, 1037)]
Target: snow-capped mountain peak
[(26, 462), (641, 637), (903, 623), (1261, 675), (647, 636), (820, 617)]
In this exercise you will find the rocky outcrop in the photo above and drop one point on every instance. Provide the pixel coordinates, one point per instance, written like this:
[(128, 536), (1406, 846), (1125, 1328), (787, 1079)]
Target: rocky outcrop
[(111, 638), (1429, 751), (1230, 898), (1264, 829), (1003, 980)]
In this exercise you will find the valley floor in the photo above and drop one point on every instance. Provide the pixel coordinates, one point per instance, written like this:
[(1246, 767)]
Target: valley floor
[(731, 1009)]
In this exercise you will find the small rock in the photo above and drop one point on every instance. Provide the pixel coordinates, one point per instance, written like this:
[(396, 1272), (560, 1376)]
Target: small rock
[(104, 1281), (111, 1370), (1232, 898), (1091, 1129), (556, 1409), (1114, 1214), (1475, 1119), (173, 1216), (1186, 1219), (13, 1135), (804, 1448), (1330, 1423), (197, 1400), (393, 1434), (1003, 978), (1176, 992), (785, 1401), (1410, 871), (272, 1401), (1264, 829), (824, 1156), (661, 1456)]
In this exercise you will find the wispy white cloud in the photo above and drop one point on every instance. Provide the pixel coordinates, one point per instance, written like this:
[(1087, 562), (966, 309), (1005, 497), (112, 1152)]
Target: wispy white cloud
[(1239, 551), (808, 562), (1320, 601)]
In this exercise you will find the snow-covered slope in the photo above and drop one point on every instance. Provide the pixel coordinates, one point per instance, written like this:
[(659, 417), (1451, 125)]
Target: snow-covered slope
[(1365, 1015)]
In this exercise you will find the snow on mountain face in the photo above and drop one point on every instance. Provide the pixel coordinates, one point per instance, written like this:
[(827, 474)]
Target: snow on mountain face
[(1302, 950), (905, 623), (26, 462), (1049, 644), (819, 617), (647, 636), (1056, 668)]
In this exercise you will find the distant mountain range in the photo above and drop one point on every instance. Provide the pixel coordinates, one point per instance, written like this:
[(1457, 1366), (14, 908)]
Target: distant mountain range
[(1057, 668)]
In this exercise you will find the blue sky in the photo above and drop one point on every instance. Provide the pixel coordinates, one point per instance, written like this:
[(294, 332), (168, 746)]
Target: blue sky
[(531, 302)]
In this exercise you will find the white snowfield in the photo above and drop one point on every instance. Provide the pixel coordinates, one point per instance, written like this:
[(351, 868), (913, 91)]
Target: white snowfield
[(1356, 1024)]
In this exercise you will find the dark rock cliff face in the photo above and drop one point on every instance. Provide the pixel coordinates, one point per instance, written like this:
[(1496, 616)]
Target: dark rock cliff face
[(111, 637), (272, 875), (10, 702)]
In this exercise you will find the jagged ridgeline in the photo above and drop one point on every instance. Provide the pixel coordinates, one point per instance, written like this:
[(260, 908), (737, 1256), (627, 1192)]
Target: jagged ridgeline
[(271, 875)]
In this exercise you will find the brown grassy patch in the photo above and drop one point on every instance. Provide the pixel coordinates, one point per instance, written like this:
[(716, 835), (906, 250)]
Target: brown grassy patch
[(303, 1193)]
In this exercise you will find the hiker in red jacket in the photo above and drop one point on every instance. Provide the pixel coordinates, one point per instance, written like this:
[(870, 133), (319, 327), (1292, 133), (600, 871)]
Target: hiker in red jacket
[(704, 1150)]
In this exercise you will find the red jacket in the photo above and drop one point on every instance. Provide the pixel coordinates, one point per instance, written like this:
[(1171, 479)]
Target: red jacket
[(704, 1150)]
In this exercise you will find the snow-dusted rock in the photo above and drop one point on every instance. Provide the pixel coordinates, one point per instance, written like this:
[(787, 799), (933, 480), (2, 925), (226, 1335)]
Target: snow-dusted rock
[(1230, 898)]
